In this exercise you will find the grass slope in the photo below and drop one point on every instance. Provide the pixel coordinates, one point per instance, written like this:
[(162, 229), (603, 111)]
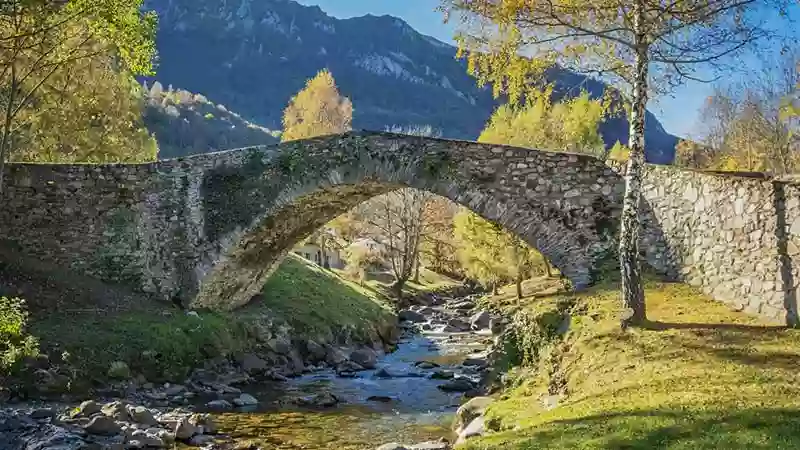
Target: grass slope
[(699, 377), (321, 302), (162, 342)]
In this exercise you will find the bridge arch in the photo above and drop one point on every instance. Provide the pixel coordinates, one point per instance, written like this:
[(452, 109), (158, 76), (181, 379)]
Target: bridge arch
[(257, 205), (207, 230)]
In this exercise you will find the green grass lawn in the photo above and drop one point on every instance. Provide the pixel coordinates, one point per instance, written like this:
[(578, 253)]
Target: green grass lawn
[(700, 376), (163, 342)]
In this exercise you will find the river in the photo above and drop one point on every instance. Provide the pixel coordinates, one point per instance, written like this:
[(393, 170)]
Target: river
[(398, 401)]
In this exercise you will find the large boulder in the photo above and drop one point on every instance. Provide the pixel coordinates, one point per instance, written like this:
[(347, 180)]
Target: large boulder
[(410, 316), (281, 345), (469, 411), (365, 358), (86, 409), (142, 415), (252, 364), (480, 320), (245, 400), (315, 352), (475, 428), (457, 385), (335, 356), (102, 426), (116, 410)]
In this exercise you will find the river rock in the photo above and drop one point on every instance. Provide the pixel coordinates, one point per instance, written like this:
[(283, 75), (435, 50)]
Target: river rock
[(86, 409), (480, 320), (457, 385), (496, 325), (393, 446), (315, 352), (219, 404), (475, 428), (321, 400), (280, 345), (463, 305), (431, 445), (252, 364), (426, 365), (245, 400), (117, 410), (458, 325), (442, 374), (348, 367), (103, 426), (147, 439), (200, 440), (184, 430), (295, 362), (410, 316), (335, 356), (365, 358), (475, 362), (470, 411), (142, 415), (379, 398)]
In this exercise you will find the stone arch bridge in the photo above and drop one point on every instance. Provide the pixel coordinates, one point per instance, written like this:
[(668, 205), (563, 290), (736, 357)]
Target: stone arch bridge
[(209, 229)]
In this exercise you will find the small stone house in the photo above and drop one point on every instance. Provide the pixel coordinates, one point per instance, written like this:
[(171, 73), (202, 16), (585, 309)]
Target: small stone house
[(313, 252)]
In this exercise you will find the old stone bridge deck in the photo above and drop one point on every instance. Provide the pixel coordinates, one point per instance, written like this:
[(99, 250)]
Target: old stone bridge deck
[(209, 229)]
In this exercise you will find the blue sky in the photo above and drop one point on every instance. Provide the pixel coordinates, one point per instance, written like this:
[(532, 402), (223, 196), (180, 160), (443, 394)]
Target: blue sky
[(677, 112)]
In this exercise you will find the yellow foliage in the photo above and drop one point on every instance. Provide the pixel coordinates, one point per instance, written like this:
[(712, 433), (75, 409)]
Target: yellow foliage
[(619, 152), (571, 125), (317, 110)]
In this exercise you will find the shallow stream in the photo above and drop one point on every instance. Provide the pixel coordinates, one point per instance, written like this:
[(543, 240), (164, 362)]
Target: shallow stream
[(406, 407)]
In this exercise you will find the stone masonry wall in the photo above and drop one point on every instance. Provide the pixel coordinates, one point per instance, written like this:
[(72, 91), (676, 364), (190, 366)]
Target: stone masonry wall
[(735, 237), (209, 229)]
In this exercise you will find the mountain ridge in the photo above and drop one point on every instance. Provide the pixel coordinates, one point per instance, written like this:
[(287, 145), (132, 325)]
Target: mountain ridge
[(254, 56)]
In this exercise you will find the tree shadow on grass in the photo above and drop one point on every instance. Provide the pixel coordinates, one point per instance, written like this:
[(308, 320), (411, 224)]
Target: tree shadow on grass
[(657, 429), (659, 326)]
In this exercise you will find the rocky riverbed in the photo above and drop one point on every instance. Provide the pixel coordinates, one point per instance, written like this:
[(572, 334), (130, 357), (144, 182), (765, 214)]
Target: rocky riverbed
[(344, 399)]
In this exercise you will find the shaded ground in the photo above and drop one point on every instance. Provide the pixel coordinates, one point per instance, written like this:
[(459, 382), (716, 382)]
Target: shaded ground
[(700, 376)]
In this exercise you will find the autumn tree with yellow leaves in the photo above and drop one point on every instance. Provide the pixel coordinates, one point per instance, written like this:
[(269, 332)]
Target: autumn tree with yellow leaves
[(317, 110)]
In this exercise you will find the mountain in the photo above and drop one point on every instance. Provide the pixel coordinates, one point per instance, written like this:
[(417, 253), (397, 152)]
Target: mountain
[(185, 123), (253, 55)]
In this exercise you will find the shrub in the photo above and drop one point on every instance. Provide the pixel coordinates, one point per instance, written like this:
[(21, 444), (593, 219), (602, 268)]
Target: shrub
[(15, 343)]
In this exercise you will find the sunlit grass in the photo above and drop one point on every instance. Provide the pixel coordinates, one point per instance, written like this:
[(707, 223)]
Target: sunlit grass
[(699, 376)]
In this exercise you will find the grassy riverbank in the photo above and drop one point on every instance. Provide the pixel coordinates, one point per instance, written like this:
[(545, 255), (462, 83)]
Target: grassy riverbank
[(700, 377), (157, 339)]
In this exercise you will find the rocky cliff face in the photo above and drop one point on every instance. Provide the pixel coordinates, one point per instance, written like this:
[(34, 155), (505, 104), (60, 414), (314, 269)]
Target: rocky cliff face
[(252, 56)]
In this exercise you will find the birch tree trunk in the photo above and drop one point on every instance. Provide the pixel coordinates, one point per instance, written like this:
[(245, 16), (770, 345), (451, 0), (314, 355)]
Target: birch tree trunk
[(632, 291)]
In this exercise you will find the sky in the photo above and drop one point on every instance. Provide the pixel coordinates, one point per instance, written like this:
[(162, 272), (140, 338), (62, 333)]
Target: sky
[(678, 112)]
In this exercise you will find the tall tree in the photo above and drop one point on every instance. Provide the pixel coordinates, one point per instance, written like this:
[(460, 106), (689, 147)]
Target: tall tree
[(639, 44), (398, 220), (318, 109), (88, 111), (39, 37), (492, 255), (744, 123)]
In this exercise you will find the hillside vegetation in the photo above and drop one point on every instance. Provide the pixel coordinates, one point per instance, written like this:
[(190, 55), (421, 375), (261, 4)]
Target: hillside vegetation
[(184, 123), (164, 343), (699, 376)]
